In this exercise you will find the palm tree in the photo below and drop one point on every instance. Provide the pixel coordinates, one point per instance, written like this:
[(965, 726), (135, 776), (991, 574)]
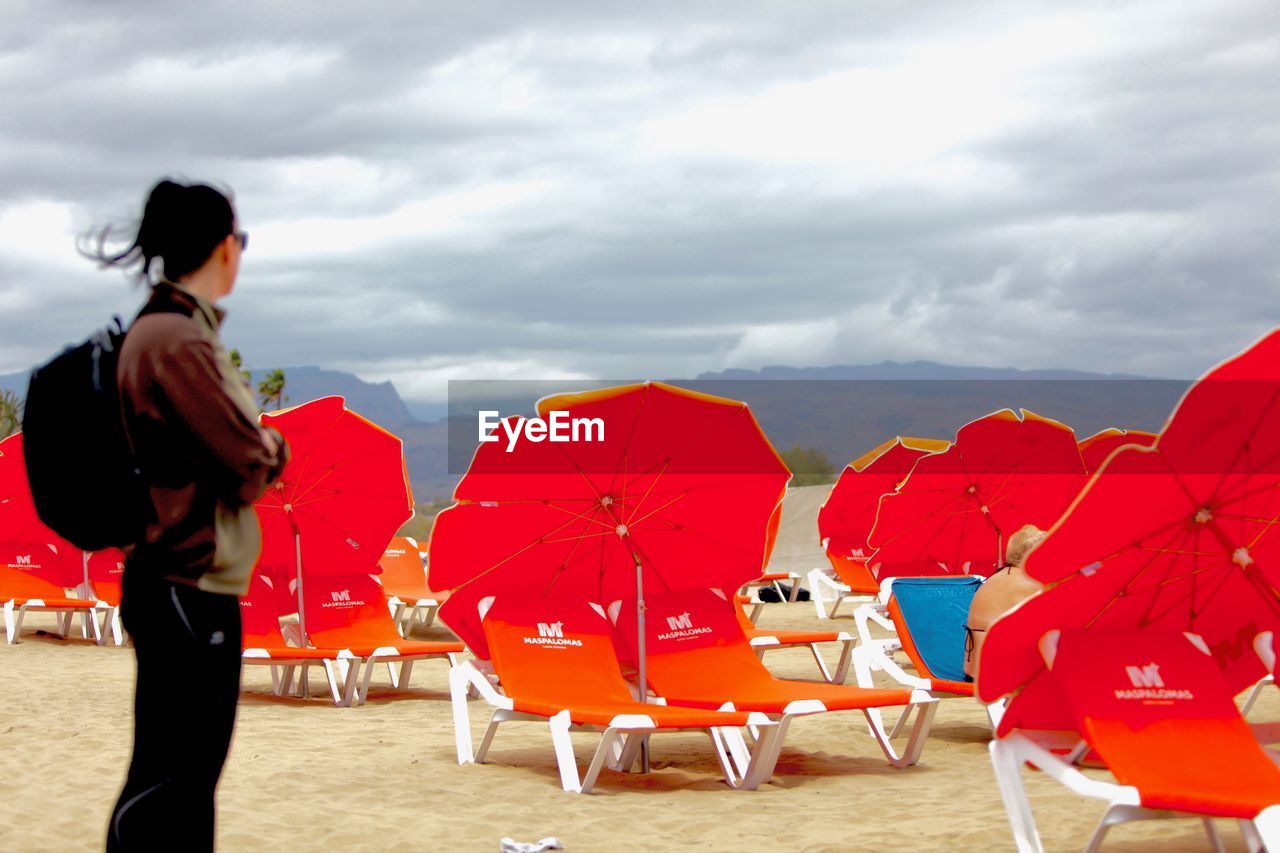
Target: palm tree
[(238, 363), (271, 390), (10, 413)]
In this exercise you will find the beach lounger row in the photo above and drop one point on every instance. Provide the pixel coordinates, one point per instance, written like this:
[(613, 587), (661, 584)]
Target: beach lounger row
[(349, 629), (559, 663)]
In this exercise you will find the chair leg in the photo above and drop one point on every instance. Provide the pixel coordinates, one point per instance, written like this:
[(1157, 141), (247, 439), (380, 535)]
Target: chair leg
[(608, 741), (842, 667), (565, 759), (1263, 832), (500, 716), (1008, 769), (405, 669), (13, 621), (764, 754), (822, 665), (1115, 814), (631, 753), (1215, 838), (459, 688), (1255, 693), (901, 722), (362, 693)]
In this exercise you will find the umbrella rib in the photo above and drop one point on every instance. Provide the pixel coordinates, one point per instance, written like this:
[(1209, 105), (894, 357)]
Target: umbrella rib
[(583, 515), (647, 492), (678, 497), (631, 434), (1248, 439), (580, 537), (1269, 592), (518, 552), (568, 558), (1128, 585)]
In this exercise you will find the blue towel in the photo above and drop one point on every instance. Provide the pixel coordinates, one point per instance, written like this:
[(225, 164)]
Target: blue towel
[(936, 611)]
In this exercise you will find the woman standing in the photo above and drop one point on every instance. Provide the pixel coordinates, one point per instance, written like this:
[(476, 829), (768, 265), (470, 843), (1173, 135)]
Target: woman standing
[(192, 422)]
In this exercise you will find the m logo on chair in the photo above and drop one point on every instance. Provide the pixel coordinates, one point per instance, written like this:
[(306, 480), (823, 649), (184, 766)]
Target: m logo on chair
[(551, 634), (1145, 676), (675, 623), (680, 627), (341, 594), (1149, 687), (22, 559)]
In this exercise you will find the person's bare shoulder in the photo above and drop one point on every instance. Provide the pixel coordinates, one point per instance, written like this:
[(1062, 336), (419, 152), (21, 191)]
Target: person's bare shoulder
[(998, 595)]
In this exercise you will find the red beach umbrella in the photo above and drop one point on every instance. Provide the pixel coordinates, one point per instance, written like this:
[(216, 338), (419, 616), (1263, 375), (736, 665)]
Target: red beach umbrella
[(1096, 448), (60, 561), (682, 492), (343, 495), (1180, 536), (957, 507), (846, 519)]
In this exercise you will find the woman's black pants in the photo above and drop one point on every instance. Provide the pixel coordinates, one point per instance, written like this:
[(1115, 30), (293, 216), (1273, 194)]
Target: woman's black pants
[(187, 643)]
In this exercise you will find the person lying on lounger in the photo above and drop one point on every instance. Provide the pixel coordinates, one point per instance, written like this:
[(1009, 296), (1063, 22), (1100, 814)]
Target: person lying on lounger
[(1001, 592)]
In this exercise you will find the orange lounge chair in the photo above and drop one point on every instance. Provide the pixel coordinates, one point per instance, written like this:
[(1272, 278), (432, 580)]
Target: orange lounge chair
[(264, 644), (849, 578), (775, 580), (1154, 708), (763, 640), (698, 656), (556, 662), (404, 580), (350, 612), (22, 590), (105, 570)]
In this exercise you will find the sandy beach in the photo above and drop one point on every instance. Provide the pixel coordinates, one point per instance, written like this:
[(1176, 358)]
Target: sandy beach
[(384, 777)]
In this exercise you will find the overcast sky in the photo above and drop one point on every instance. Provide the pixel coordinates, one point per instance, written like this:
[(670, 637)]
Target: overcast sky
[(555, 190)]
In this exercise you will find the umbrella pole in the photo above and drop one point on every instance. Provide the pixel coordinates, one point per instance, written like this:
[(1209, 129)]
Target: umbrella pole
[(642, 679), (297, 571), (302, 613)]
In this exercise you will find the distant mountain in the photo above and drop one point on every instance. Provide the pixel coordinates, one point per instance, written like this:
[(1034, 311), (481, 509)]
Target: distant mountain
[(842, 410), (377, 401), (845, 410)]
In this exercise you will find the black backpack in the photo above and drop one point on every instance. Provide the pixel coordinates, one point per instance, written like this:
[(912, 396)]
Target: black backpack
[(84, 481)]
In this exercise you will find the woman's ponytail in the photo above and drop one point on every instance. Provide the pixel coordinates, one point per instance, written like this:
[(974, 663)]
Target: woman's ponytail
[(181, 226)]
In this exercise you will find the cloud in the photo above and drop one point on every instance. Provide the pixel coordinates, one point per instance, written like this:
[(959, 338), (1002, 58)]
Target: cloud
[(580, 190)]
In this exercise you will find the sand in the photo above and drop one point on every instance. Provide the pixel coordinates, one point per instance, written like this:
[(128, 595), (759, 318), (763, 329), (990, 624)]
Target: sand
[(383, 776)]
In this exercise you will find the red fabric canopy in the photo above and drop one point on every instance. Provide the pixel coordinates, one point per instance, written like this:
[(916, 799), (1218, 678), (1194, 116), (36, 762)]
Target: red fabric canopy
[(959, 506), (1096, 448), (1181, 536), (343, 495), (685, 484), (846, 519), (22, 528)]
